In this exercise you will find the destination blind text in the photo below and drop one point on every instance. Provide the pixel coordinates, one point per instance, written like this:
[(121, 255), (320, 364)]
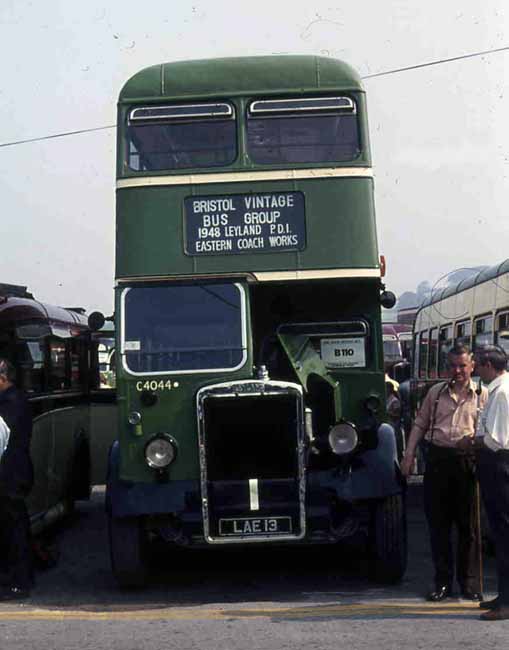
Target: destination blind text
[(245, 223)]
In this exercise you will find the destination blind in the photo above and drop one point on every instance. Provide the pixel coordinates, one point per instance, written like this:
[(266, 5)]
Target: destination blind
[(245, 223)]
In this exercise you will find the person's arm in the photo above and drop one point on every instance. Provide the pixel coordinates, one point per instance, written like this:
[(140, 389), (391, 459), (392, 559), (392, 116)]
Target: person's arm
[(417, 433), (498, 423)]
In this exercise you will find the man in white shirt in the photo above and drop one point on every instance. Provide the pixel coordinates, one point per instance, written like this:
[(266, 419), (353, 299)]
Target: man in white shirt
[(493, 464), (4, 435)]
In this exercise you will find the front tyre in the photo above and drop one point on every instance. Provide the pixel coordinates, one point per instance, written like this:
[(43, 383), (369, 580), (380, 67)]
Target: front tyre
[(388, 539), (127, 551)]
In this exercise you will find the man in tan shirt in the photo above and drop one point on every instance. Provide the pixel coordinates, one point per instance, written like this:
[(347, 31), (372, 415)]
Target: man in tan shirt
[(448, 416)]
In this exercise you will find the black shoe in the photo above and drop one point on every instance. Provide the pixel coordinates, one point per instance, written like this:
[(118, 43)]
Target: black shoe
[(14, 593), (489, 604), (500, 613), (440, 593), (472, 595)]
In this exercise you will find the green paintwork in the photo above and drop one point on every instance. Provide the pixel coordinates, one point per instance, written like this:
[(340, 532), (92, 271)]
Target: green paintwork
[(340, 214), (231, 77), (340, 224), (306, 361), (174, 413)]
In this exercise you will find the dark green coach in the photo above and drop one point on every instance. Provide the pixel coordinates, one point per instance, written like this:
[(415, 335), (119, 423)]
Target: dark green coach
[(248, 289)]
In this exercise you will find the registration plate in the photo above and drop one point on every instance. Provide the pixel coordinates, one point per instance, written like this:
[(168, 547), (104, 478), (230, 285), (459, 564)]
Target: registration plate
[(255, 526)]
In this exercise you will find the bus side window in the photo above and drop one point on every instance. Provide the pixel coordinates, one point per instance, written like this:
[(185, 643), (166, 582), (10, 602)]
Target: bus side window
[(416, 356), (30, 361), (433, 353), (502, 332), (464, 333), (483, 331), (445, 344), (78, 362), (57, 375), (106, 358), (423, 353)]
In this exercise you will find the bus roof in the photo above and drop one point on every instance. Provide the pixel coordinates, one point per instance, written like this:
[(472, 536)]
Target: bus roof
[(16, 310), (240, 76), (489, 273)]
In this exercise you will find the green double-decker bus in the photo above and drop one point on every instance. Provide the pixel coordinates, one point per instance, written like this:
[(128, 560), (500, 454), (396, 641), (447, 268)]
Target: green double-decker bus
[(250, 381)]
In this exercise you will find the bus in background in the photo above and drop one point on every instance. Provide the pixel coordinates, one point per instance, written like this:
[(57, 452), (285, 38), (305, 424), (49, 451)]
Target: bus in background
[(250, 378), (49, 347), (405, 337), (393, 353), (474, 312), (397, 339)]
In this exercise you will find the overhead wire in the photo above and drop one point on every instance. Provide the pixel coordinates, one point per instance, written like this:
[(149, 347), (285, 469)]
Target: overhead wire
[(368, 76), (57, 135), (437, 62)]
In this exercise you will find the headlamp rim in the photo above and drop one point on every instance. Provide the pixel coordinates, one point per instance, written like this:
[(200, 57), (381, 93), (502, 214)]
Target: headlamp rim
[(355, 433), (161, 436)]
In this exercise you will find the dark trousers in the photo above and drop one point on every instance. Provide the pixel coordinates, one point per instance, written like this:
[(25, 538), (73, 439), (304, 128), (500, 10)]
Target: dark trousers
[(15, 551), (450, 499), (494, 478)]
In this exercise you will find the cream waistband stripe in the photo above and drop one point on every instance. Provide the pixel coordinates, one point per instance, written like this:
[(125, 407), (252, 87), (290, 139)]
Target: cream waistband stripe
[(247, 176), (260, 276)]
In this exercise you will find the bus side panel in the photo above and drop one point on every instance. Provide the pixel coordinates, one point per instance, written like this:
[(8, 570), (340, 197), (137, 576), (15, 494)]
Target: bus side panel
[(41, 444), (70, 450), (103, 432)]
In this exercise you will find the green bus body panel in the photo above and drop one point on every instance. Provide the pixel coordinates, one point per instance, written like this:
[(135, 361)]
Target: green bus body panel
[(340, 229), (240, 76), (175, 414)]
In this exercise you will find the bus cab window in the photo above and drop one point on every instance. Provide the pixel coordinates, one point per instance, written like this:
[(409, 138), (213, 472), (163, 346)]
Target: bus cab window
[(30, 360), (445, 344), (483, 328), (158, 337)]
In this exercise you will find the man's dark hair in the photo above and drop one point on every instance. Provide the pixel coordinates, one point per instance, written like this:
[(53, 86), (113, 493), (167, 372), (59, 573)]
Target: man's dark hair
[(458, 349), (491, 354), (7, 370)]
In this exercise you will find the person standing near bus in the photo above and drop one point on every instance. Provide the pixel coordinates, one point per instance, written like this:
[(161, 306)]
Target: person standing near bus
[(16, 478), (449, 414), (493, 462)]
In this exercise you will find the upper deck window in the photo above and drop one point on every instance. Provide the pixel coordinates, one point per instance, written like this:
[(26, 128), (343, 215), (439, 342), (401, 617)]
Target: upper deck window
[(303, 130), (183, 328), (181, 136)]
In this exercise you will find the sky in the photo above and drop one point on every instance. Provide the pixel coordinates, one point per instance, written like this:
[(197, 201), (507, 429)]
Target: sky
[(439, 134)]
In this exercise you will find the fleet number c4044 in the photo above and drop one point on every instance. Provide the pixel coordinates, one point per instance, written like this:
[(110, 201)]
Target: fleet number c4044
[(154, 385)]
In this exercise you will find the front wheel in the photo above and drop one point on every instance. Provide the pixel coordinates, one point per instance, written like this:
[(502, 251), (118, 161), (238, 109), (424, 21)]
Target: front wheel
[(388, 539), (127, 551)]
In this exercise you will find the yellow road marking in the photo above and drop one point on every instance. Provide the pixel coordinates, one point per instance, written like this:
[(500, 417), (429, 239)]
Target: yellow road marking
[(403, 609)]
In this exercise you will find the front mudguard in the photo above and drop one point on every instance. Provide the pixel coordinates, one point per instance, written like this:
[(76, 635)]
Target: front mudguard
[(372, 474), (129, 499)]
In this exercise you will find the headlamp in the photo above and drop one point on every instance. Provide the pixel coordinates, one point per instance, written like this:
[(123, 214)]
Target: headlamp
[(160, 451), (373, 403), (342, 438)]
